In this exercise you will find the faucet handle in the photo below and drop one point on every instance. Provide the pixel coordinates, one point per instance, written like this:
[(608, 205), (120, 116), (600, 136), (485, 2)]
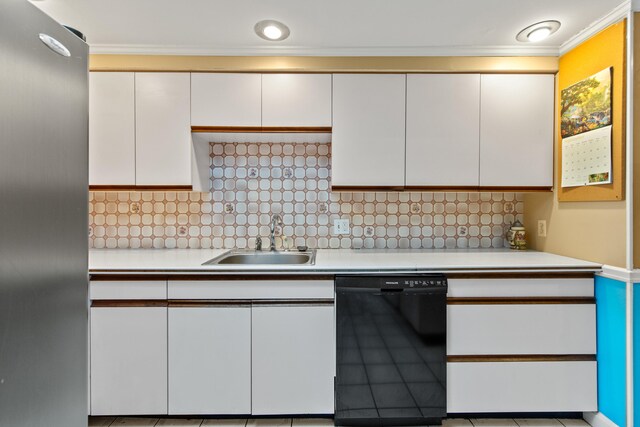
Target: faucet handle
[(258, 243)]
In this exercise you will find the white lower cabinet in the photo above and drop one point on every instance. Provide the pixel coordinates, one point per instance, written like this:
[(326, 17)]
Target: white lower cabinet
[(521, 329), (521, 387), (293, 359), (210, 359), (128, 360)]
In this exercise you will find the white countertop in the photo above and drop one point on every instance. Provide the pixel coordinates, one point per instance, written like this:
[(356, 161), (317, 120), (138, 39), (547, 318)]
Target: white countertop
[(180, 261)]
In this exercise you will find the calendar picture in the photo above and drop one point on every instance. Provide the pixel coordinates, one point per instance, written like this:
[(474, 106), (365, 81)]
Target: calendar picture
[(586, 105), (586, 158)]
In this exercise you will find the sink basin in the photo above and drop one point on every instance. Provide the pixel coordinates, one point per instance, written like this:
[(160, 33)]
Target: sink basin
[(264, 258)]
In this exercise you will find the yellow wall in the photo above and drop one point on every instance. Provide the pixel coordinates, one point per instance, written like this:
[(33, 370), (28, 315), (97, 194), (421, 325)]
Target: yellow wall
[(636, 143), (594, 231)]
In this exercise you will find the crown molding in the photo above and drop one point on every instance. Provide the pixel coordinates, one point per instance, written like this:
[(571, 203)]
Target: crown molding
[(616, 15), (326, 51)]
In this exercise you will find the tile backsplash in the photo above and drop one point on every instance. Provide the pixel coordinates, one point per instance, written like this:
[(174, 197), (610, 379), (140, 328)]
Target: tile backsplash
[(251, 181)]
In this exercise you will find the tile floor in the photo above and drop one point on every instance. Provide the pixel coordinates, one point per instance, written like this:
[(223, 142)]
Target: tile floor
[(311, 422)]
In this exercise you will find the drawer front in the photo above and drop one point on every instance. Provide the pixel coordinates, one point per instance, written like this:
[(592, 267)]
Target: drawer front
[(251, 289), (521, 329), (544, 287), (521, 387), (128, 290)]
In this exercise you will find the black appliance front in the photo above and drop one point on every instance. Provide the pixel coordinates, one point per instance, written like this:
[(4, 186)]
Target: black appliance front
[(391, 350)]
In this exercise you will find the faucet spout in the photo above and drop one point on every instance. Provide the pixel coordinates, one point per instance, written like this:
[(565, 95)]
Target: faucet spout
[(276, 220)]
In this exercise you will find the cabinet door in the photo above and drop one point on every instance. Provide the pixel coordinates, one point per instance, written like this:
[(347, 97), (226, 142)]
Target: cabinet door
[(296, 100), (521, 329), (475, 387), (368, 142), (163, 134), (443, 133), (516, 130), (210, 360), (293, 361), (112, 148), (225, 99), (128, 360)]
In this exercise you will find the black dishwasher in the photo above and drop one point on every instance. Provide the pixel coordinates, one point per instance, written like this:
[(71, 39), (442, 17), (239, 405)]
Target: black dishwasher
[(391, 350)]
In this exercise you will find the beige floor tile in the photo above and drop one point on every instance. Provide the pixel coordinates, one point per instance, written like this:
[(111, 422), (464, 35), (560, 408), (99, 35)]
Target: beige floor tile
[(573, 422), (538, 422), (456, 422), (179, 422), (135, 422), (225, 422), (493, 422), (101, 421), (312, 422), (269, 422)]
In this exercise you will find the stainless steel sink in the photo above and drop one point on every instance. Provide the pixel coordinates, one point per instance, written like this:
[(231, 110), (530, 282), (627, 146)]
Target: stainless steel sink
[(250, 257)]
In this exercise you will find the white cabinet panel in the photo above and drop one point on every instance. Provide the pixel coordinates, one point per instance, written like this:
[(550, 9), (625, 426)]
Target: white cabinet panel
[(516, 130), (210, 360), (293, 362), (521, 387), (225, 99), (250, 289), (163, 133), (443, 134), (521, 329), (368, 145), (112, 149), (127, 289), (548, 287), (296, 100), (128, 360)]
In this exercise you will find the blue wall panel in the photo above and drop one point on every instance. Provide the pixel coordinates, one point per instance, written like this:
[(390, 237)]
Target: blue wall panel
[(636, 354), (611, 327)]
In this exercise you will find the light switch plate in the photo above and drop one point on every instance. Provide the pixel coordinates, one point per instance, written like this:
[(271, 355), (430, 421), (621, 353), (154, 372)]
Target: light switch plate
[(542, 228), (341, 226)]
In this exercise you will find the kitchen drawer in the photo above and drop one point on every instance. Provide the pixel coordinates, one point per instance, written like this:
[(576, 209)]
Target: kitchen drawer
[(475, 387), (521, 329), (250, 289), (127, 289), (544, 287)]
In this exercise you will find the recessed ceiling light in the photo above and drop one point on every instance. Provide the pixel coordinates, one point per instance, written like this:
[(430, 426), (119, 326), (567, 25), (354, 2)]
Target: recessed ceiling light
[(536, 32), (272, 30)]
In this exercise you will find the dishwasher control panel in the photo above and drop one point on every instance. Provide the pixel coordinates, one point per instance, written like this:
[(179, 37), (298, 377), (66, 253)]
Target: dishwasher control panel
[(393, 282)]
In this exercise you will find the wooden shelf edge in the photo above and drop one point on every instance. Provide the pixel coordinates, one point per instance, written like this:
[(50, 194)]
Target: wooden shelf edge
[(140, 188), (450, 189), (522, 358), (261, 129)]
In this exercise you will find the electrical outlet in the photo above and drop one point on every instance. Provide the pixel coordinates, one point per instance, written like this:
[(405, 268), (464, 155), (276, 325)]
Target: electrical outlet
[(542, 228), (341, 226)]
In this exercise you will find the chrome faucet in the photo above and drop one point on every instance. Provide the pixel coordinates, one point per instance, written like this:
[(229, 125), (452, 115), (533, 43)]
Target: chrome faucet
[(276, 220)]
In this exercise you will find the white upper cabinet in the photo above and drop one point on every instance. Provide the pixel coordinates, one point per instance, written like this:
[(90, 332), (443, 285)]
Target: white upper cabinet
[(368, 142), (225, 99), (163, 132), (516, 130), (443, 118), (296, 100), (112, 149)]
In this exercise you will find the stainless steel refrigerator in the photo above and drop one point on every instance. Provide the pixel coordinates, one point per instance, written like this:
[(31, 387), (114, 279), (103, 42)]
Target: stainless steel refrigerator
[(43, 221)]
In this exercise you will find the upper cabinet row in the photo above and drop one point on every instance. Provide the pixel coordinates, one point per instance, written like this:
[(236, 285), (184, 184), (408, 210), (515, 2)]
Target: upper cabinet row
[(443, 131), (389, 130)]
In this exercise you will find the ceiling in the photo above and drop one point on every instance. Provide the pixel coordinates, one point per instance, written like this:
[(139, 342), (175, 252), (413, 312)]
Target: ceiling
[(324, 27)]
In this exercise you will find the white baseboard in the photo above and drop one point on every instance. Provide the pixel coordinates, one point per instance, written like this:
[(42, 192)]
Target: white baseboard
[(598, 419)]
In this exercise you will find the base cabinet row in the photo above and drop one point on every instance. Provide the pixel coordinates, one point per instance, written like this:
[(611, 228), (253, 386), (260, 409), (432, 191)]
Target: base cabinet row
[(221, 359)]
